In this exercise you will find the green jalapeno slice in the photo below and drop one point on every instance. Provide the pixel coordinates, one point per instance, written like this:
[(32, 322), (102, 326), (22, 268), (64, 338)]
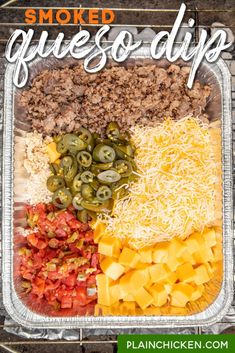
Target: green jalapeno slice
[(77, 199), (103, 153), (109, 176), (103, 193), (62, 198), (74, 143), (87, 177), (123, 167), (87, 192), (54, 183), (113, 131), (77, 183), (84, 158)]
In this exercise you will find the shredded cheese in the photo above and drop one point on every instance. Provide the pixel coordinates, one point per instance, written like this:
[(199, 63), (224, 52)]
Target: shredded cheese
[(175, 193)]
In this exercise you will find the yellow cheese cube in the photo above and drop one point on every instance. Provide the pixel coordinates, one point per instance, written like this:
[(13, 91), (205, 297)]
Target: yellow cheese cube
[(52, 152), (168, 287), (181, 293), (103, 293), (101, 310), (146, 255), (172, 278), (158, 272), (114, 292), (217, 253), (201, 275), (141, 266), (173, 262), (210, 238), (129, 257), (109, 246), (185, 272), (188, 257), (143, 298), (203, 255), (129, 298), (132, 281), (111, 268), (161, 252), (159, 294), (99, 231), (192, 243), (177, 248), (197, 292)]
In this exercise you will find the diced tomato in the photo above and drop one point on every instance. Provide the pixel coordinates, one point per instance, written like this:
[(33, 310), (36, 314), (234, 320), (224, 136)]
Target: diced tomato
[(53, 258), (66, 302), (70, 280)]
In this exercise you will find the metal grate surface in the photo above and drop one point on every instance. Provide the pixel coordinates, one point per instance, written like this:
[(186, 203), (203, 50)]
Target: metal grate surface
[(8, 22)]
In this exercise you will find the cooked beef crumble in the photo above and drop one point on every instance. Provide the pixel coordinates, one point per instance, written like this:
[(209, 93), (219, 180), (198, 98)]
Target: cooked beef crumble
[(62, 100)]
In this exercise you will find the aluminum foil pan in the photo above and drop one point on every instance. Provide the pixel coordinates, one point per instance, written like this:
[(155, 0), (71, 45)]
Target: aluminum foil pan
[(218, 77)]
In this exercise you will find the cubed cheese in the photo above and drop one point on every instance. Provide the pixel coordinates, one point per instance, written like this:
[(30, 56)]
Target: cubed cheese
[(127, 308), (129, 257), (177, 248), (161, 252), (197, 292), (210, 237), (201, 275), (114, 292), (203, 255), (217, 252), (103, 293), (186, 256), (172, 278), (143, 298), (111, 268), (146, 255), (192, 243), (52, 152), (109, 246), (132, 281), (129, 298), (173, 262), (158, 272), (181, 293), (99, 231), (185, 272), (159, 294)]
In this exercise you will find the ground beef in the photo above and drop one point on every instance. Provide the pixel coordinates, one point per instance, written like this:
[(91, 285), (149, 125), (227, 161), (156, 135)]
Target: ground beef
[(62, 100)]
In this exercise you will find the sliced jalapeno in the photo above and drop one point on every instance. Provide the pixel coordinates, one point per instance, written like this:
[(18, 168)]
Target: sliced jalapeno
[(113, 131), (77, 202), (103, 153), (55, 182), (108, 176), (97, 206), (54, 168), (62, 198), (77, 183), (103, 193), (70, 167), (123, 167), (74, 143), (95, 185), (87, 177), (124, 151), (84, 158), (61, 146), (87, 192)]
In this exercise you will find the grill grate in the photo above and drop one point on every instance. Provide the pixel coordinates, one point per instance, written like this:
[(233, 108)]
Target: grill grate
[(5, 29)]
